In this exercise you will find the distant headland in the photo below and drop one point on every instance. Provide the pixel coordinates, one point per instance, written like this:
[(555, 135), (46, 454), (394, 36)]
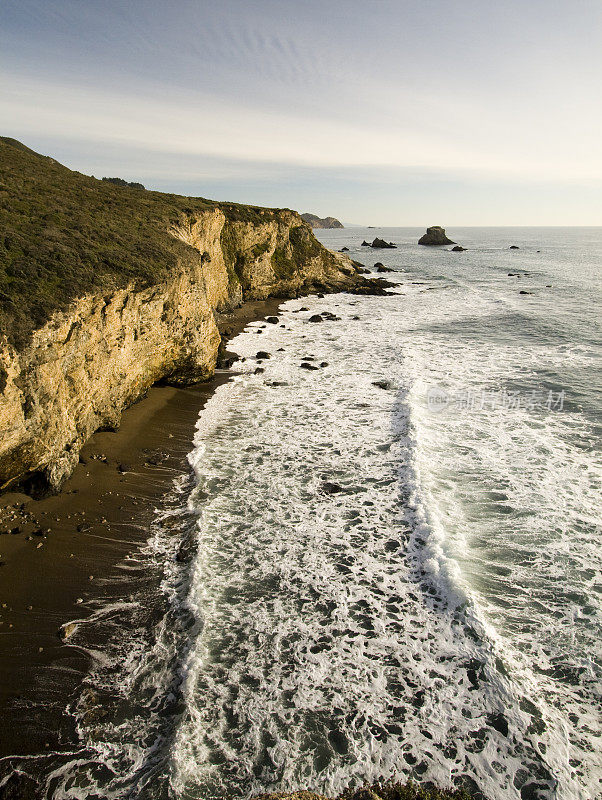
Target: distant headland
[(326, 222)]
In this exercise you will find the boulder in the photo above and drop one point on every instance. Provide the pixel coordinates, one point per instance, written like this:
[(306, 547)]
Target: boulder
[(458, 249), (365, 243), (67, 630), (381, 267), (435, 236)]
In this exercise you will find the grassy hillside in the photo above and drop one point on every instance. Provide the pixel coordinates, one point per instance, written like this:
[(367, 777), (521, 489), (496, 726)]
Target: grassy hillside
[(63, 234)]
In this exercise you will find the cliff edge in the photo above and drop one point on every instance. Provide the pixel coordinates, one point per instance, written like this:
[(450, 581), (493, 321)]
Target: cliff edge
[(106, 290)]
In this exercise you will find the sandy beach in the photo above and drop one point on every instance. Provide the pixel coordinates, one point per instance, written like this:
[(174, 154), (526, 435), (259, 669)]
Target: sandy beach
[(57, 554)]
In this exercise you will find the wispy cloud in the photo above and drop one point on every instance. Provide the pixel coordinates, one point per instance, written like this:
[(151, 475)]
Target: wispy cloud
[(488, 91)]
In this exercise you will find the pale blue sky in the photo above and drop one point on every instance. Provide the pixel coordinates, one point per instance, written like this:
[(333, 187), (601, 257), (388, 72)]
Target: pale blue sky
[(393, 112)]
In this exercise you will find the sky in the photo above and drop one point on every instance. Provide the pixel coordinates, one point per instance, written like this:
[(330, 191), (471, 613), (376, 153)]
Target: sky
[(379, 112)]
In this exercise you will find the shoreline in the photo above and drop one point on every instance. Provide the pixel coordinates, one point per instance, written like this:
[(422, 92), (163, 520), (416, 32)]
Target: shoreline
[(70, 545)]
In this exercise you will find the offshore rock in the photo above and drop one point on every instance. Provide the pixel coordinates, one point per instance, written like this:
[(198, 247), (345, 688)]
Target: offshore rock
[(380, 244), (435, 236)]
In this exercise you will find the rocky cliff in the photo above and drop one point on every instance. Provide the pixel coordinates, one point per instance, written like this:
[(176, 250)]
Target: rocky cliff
[(106, 290)]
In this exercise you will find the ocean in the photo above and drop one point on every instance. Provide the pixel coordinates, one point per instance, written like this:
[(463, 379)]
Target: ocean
[(389, 565)]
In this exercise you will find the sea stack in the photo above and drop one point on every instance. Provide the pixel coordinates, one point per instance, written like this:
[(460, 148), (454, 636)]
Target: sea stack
[(435, 236)]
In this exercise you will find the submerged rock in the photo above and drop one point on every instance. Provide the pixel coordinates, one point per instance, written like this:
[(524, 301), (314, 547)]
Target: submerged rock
[(458, 249), (514, 247), (435, 236), (328, 487)]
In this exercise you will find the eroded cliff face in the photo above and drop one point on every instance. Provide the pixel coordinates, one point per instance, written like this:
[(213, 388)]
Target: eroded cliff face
[(81, 369)]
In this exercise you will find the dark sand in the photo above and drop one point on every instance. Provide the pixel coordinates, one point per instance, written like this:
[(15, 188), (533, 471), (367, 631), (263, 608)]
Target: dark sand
[(71, 544)]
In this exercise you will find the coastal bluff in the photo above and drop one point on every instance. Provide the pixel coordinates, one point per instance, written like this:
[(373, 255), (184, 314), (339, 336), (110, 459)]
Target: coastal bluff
[(106, 290)]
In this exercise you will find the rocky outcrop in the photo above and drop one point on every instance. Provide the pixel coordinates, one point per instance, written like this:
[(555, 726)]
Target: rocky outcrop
[(380, 244), (80, 369), (325, 222), (435, 236)]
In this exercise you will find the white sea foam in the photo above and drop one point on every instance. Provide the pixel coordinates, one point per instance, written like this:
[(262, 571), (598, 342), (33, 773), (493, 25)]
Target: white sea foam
[(436, 616), (343, 639)]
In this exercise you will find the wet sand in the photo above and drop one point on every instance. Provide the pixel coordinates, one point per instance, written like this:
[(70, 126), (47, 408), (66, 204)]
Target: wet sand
[(69, 545)]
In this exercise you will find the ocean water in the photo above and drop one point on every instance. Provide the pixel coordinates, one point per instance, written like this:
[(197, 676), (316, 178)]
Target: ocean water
[(389, 566)]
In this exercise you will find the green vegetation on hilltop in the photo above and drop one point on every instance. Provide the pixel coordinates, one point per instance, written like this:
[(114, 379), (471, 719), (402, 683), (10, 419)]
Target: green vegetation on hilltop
[(122, 182), (64, 234), (404, 791)]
